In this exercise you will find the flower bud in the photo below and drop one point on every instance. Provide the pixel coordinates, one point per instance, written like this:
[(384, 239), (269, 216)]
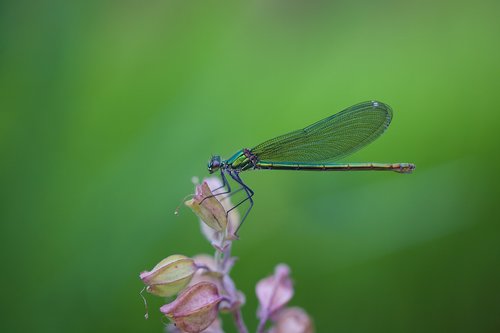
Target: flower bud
[(274, 291), (195, 308), (292, 320), (208, 208), (170, 276)]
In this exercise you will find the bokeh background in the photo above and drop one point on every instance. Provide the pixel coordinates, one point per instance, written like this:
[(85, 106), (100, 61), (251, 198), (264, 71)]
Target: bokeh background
[(108, 108)]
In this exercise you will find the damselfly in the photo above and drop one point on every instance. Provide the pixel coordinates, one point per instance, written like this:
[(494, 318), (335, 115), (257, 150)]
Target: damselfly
[(313, 148)]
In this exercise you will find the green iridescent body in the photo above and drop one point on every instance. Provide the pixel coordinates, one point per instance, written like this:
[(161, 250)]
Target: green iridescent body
[(241, 162)]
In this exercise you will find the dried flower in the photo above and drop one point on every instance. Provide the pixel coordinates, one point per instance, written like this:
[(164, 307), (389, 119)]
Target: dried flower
[(195, 308), (206, 289), (214, 236), (208, 208), (292, 320), (215, 184), (274, 292), (215, 327), (170, 276)]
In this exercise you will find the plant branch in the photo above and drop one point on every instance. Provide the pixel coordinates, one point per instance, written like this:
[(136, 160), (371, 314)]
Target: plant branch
[(238, 321), (262, 324)]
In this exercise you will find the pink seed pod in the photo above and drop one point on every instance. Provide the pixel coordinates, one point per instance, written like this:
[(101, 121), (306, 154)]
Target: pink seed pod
[(208, 208), (170, 276), (195, 308), (274, 292)]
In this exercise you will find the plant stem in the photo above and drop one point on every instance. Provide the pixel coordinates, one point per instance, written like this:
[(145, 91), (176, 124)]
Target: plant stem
[(227, 255), (262, 324), (238, 321)]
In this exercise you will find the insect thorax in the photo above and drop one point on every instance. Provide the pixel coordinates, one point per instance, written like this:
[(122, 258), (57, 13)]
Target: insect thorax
[(243, 160)]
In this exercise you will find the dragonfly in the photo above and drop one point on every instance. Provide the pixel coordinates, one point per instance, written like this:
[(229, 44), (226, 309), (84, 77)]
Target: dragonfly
[(316, 147)]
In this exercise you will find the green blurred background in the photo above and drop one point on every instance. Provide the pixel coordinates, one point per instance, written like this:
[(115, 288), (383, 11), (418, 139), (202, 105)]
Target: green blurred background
[(108, 108)]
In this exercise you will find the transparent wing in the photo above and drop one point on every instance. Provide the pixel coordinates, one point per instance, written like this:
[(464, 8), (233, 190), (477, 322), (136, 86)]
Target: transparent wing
[(331, 138)]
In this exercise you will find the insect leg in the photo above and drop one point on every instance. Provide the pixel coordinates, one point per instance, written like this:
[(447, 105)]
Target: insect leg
[(224, 184), (249, 192)]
